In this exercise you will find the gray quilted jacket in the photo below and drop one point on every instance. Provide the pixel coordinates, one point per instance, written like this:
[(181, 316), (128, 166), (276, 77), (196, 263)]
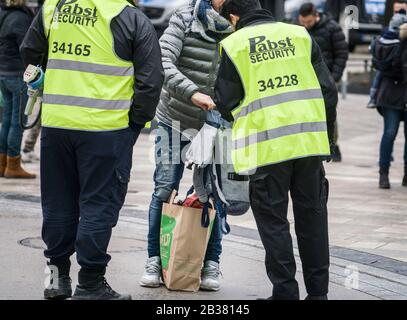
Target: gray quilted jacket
[(190, 64)]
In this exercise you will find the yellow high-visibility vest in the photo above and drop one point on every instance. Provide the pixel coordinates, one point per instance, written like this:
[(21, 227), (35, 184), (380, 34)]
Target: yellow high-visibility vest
[(282, 116), (87, 86)]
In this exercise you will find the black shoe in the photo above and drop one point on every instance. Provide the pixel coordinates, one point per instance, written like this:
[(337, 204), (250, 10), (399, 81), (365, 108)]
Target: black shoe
[(64, 290), (264, 299), (337, 156), (101, 291), (384, 182), (404, 183), (325, 297)]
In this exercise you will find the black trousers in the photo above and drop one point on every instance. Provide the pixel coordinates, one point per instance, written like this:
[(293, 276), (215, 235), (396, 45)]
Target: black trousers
[(305, 180), (84, 178)]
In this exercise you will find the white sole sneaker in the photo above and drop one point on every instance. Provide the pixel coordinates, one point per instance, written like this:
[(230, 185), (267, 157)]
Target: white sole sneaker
[(209, 287), (149, 284)]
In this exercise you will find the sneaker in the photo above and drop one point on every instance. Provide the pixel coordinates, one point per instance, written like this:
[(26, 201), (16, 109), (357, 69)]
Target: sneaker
[(29, 157), (210, 276), (152, 274), (404, 183), (371, 104), (101, 291), (64, 290)]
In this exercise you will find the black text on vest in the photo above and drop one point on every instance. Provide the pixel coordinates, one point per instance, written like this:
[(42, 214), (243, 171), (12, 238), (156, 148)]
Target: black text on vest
[(262, 49), (72, 12)]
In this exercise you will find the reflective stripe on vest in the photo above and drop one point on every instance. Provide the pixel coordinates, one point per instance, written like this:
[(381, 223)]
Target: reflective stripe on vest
[(282, 116), (87, 87), (90, 67)]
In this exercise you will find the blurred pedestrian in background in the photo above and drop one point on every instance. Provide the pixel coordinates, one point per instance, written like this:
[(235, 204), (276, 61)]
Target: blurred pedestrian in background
[(332, 41), (191, 62), (399, 5), (15, 19), (400, 11), (28, 155), (389, 56)]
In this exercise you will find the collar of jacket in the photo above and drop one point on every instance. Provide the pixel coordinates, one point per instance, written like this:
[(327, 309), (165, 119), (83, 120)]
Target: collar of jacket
[(258, 16), (322, 21)]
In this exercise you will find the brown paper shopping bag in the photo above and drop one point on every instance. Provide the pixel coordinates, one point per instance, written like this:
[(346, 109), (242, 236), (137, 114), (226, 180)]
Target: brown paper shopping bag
[(183, 243)]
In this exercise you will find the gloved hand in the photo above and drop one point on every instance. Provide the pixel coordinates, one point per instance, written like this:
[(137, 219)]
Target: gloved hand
[(332, 149), (201, 149)]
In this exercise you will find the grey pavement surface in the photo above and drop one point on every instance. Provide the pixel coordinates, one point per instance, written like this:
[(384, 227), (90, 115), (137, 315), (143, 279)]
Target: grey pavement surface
[(368, 228)]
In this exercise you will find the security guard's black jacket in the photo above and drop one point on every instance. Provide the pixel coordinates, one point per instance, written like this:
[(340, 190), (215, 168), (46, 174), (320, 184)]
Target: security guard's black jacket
[(229, 90), (134, 40)]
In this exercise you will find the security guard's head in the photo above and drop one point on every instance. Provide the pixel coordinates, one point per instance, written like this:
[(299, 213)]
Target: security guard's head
[(234, 10)]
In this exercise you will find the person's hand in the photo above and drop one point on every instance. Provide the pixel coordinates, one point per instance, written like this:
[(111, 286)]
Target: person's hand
[(217, 4), (203, 101)]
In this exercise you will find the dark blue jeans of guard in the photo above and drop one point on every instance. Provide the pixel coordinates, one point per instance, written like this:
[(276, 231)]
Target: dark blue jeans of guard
[(84, 179), (392, 119), (11, 132), (167, 176)]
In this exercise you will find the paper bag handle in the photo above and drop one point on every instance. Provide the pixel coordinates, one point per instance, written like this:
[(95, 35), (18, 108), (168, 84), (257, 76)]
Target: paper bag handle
[(172, 196)]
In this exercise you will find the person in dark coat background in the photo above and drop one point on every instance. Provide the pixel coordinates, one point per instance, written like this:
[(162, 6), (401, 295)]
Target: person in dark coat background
[(389, 57), (15, 19), (331, 39), (403, 37)]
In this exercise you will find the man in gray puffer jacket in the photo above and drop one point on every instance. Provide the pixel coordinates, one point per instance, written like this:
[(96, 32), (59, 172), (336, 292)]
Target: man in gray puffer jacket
[(191, 62)]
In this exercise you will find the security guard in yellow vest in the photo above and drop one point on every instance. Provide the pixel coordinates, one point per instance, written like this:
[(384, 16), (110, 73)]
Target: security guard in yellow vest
[(276, 88), (102, 84)]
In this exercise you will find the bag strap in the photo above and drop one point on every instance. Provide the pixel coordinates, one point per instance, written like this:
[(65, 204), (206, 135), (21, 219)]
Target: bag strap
[(205, 218), (221, 207), (172, 197)]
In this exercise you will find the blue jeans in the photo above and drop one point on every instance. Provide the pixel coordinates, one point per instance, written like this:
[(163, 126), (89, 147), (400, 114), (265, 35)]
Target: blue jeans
[(375, 85), (167, 177), (11, 132), (392, 119)]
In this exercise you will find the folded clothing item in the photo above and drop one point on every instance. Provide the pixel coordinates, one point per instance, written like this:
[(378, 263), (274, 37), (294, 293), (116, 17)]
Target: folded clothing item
[(192, 201)]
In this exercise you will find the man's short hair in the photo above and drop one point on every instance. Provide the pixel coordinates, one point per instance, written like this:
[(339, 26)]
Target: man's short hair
[(239, 7), (308, 9)]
